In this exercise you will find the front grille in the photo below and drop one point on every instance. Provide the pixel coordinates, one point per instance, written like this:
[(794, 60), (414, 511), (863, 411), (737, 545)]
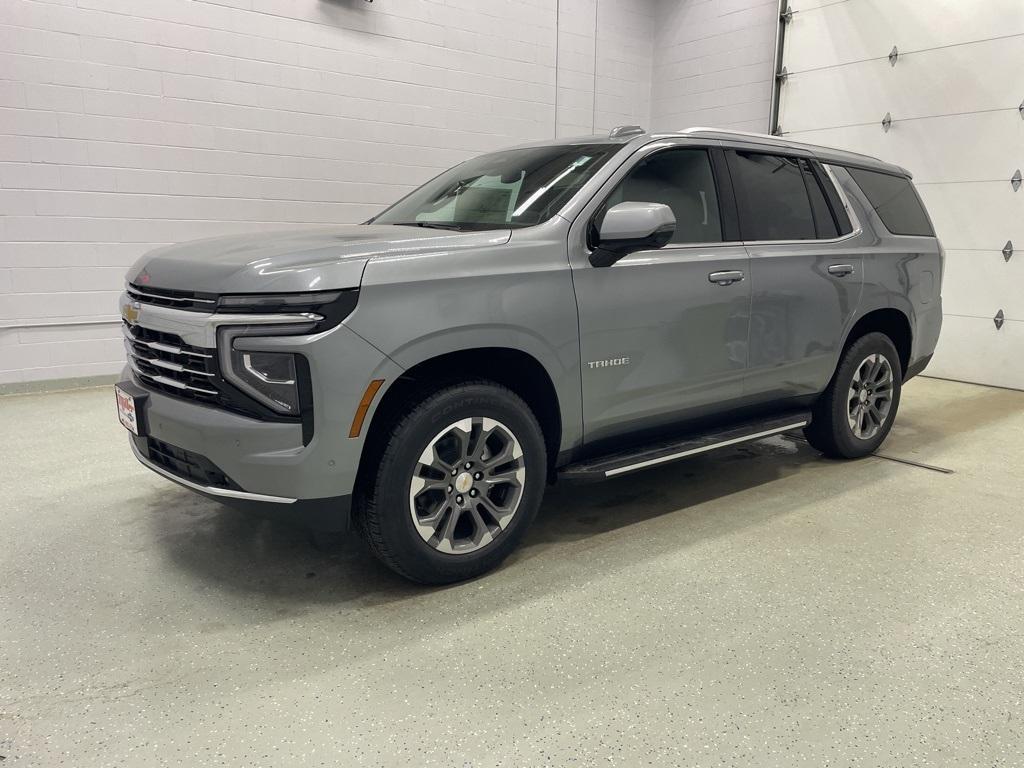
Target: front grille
[(166, 363), (165, 297), (188, 465)]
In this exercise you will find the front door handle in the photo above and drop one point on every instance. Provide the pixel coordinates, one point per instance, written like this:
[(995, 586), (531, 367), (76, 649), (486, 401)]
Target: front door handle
[(726, 278), (841, 270)]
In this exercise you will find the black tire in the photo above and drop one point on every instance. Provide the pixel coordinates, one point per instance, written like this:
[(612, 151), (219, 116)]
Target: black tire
[(383, 511), (830, 430)]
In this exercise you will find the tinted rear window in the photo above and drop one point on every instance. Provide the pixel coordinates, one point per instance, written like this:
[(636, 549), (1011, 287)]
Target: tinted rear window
[(772, 197), (823, 219), (895, 201)]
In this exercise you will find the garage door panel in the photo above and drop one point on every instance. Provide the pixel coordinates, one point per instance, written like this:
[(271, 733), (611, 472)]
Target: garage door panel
[(979, 283), (937, 149), (971, 349), (975, 215), (845, 32), (918, 86), (953, 96)]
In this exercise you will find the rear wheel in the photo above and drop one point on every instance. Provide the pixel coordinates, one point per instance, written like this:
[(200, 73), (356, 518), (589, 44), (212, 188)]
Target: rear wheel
[(461, 477), (854, 415)]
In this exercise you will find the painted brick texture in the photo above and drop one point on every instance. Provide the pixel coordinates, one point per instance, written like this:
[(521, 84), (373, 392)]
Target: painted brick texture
[(713, 64), (126, 125)]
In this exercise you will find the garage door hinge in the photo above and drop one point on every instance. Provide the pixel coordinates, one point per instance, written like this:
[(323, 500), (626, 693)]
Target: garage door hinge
[(786, 16), (1008, 250), (999, 319), (1021, 110), (782, 76), (886, 122), (893, 55), (1015, 180)]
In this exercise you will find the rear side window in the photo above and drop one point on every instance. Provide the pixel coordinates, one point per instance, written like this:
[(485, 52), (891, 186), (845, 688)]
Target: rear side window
[(895, 201), (681, 179), (824, 222), (772, 197)]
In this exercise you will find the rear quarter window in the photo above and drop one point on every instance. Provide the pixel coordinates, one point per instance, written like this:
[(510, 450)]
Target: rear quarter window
[(895, 201)]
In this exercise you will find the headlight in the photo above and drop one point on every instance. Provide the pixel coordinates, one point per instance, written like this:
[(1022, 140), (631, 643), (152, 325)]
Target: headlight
[(278, 380), (271, 378)]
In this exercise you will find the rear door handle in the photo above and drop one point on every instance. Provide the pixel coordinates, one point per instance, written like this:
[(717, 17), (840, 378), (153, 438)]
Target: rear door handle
[(726, 278), (841, 270)]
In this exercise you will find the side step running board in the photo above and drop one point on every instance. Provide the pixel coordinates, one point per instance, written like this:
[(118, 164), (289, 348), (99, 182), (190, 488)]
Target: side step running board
[(614, 464)]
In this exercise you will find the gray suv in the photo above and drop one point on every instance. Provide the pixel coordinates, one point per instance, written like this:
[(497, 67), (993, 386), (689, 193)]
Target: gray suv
[(570, 310)]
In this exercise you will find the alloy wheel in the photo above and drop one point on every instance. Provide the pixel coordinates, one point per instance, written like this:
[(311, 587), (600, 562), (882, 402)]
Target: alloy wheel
[(467, 485), (870, 396)]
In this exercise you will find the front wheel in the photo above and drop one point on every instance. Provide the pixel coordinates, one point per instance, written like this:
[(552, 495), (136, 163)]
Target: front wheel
[(854, 415), (460, 478)]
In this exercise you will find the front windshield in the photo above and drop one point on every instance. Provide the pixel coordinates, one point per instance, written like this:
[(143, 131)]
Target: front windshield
[(510, 189)]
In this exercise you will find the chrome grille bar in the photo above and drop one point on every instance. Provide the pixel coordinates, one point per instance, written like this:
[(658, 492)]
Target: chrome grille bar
[(133, 291), (129, 334), (168, 381), (166, 364)]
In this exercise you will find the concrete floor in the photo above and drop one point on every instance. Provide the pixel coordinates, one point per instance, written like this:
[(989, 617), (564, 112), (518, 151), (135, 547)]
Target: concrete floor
[(763, 606)]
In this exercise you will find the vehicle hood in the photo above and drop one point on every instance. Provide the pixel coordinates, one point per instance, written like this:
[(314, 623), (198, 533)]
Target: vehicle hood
[(280, 262)]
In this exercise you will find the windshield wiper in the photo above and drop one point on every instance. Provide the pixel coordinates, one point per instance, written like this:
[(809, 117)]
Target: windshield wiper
[(429, 225)]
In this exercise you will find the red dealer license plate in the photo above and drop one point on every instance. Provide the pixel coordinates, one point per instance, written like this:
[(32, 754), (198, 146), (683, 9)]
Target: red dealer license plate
[(126, 411)]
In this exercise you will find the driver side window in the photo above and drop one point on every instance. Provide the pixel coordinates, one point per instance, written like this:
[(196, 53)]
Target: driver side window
[(683, 180)]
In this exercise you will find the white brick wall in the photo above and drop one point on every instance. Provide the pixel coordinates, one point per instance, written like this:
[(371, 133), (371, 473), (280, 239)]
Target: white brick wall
[(128, 124), (615, 37), (713, 64)]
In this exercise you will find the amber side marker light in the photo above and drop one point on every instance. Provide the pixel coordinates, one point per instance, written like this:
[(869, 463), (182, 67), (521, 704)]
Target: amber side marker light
[(364, 406)]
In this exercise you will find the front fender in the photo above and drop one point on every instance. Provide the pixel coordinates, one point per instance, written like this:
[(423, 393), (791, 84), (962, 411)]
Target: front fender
[(416, 311)]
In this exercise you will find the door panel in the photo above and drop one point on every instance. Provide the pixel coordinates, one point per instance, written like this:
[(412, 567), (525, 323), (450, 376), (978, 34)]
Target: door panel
[(799, 312), (805, 281), (659, 341)]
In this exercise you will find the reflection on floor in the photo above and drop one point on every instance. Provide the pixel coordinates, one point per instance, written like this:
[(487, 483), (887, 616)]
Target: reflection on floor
[(760, 605)]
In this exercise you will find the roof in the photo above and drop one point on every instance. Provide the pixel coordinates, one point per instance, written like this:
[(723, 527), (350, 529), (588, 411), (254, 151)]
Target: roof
[(824, 154)]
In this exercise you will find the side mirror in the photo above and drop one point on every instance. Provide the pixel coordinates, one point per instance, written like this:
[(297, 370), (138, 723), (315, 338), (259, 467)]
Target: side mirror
[(629, 227)]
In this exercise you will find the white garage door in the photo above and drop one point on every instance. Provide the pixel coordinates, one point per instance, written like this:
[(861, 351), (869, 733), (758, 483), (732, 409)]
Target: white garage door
[(953, 92)]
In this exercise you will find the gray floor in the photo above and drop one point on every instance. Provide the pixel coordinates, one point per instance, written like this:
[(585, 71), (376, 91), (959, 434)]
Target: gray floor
[(762, 607)]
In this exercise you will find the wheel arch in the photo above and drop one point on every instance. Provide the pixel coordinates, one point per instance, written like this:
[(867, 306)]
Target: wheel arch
[(514, 368), (894, 323)]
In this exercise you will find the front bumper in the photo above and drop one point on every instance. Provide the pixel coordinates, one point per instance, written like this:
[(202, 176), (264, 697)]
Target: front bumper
[(272, 466), (329, 514)]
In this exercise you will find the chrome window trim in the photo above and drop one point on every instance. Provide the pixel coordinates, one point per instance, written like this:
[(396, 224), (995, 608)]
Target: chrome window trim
[(830, 241), (695, 141), (843, 198), (734, 243), (690, 246), (225, 492)]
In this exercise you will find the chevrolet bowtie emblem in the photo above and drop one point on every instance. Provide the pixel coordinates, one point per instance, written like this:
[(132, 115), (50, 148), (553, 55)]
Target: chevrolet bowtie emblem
[(130, 312)]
